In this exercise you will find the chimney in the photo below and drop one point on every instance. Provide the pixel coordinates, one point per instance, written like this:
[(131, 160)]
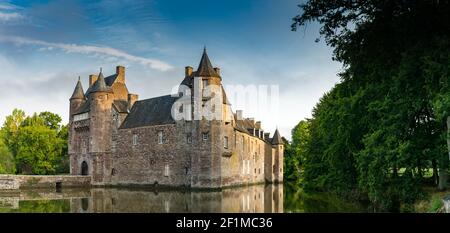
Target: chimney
[(266, 136), (120, 71), (261, 134), (239, 115), (92, 79), (217, 69), (188, 71), (132, 98)]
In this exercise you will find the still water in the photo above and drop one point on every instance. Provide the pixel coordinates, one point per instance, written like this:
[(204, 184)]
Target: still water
[(251, 199)]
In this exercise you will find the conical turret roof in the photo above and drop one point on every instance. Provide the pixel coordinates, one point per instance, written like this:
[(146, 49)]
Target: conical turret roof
[(78, 93), (276, 140), (205, 69), (100, 84)]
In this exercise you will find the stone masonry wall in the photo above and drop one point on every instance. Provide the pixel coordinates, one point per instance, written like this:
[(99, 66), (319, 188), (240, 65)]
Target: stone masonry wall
[(11, 182), (145, 163)]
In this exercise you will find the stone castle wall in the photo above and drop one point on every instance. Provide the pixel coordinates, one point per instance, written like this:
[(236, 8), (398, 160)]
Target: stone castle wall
[(13, 182), (145, 162)]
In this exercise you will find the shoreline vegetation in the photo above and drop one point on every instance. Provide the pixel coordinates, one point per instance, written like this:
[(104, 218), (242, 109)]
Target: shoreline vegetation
[(381, 134)]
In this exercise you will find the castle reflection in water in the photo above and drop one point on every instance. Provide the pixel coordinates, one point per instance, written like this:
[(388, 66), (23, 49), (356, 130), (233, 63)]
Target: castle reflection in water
[(250, 199)]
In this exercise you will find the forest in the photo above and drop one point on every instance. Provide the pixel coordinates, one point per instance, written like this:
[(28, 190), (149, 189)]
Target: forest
[(382, 133)]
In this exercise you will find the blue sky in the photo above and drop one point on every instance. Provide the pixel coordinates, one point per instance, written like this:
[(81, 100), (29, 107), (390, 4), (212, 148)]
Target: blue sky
[(46, 45)]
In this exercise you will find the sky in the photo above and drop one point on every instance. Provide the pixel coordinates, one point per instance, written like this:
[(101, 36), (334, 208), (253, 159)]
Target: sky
[(46, 45)]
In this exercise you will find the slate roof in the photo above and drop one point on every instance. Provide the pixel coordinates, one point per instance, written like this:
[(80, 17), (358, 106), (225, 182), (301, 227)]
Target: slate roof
[(78, 93), (240, 126), (224, 97), (276, 140), (121, 105), (85, 107), (100, 84), (205, 69), (110, 79), (154, 111)]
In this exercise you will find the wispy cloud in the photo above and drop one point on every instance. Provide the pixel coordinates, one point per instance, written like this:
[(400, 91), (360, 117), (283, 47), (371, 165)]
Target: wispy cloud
[(8, 12), (88, 49), (10, 16), (8, 6)]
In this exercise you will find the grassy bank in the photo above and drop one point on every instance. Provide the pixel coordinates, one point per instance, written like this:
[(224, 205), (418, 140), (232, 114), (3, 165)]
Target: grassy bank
[(433, 203)]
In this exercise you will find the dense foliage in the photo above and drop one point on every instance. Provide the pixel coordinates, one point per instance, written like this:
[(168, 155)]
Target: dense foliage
[(382, 131), (34, 144)]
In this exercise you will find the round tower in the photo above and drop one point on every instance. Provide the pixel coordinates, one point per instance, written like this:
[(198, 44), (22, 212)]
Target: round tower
[(101, 99), (78, 98)]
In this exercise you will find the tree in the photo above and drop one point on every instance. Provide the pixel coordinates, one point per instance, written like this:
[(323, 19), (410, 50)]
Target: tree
[(51, 120), (37, 144), (39, 150), (11, 127), (380, 130), (7, 165), (295, 151)]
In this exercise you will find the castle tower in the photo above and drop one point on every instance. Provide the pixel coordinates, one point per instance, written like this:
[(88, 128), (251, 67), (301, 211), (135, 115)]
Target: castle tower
[(76, 101), (77, 98), (207, 125), (278, 157), (100, 115)]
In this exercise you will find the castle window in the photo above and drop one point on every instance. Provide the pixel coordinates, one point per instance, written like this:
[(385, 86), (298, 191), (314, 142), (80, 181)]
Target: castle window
[(83, 147), (205, 136), (160, 137), (259, 170), (189, 138), (81, 117), (205, 82), (225, 142), (135, 139), (166, 170)]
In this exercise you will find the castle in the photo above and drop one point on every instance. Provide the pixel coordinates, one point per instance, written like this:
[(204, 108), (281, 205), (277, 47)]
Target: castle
[(120, 140)]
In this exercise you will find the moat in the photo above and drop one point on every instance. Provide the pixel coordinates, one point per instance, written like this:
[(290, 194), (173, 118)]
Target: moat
[(251, 199)]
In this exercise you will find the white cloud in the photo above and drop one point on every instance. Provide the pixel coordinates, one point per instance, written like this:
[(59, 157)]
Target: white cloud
[(10, 16), (8, 6), (90, 50)]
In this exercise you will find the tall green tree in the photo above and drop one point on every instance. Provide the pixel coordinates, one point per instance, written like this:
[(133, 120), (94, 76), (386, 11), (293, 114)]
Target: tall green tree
[(7, 165), (11, 127), (385, 125), (35, 144), (295, 152), (39, 150)]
